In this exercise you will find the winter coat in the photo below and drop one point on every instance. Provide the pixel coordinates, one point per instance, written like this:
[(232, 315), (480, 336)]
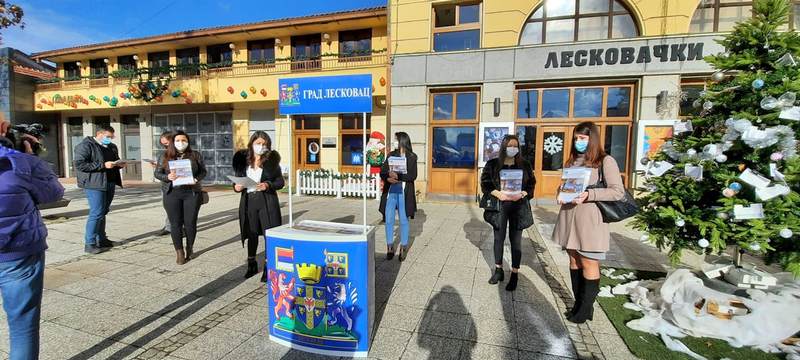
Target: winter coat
[(581, 226), (270, 174), (90, 165), (409, 191), (490, 181), (198, 171), (25, 182)]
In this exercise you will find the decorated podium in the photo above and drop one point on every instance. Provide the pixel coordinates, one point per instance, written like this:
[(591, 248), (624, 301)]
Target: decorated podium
[(321, 285)]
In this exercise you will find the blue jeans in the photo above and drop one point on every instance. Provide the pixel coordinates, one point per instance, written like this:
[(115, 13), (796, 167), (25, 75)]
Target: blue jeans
[(99, 205), (21, 283), (396, 201)]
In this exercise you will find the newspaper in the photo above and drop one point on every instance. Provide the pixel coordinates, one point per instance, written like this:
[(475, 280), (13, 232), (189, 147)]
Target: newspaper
[(398, 164), (511, 181), (245, 181), (573, 183), (183, 169)]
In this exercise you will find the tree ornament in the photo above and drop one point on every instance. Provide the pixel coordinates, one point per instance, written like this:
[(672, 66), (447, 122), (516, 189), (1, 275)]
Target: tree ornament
[(755, 246), (776, 156), (721, 158), (703, 243), (680, 222), (230, 89), (787, 60), (758, 84), (263, 93), (697, 104), (253, 89), (786, 233), (769, 103), (735, 186), (728, 193), (723, 215), (243, 94), (691, 152), (644, 238), (718, 76), (708, 105), (742, 167)]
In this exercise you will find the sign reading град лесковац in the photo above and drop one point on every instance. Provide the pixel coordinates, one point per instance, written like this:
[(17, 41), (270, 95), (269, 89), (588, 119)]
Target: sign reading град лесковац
[(625, 55), (325, 95)]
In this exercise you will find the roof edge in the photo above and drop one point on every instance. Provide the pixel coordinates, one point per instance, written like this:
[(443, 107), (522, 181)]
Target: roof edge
[(195, 33)]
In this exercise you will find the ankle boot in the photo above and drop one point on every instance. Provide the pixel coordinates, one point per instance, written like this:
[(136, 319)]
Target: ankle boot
[(252, 268), (264, 275), (576, 277), (180, 257), (497, 276), (389, 253), (588, 295), (189, 251), (512, 282)]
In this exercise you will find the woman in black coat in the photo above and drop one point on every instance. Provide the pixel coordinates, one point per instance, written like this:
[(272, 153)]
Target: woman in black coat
[(181, 202), (511, 205), (259, 208), (399, 194)]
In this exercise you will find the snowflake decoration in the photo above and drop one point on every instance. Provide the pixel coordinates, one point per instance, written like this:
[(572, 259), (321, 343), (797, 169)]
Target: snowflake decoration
[(553, 145)]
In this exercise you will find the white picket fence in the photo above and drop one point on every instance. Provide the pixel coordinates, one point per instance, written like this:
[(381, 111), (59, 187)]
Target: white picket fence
[(335, 184)]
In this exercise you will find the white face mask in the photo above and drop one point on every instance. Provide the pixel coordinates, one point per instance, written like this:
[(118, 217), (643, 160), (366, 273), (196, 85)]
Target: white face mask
[(181, 145), (512, 151), (259, 149)]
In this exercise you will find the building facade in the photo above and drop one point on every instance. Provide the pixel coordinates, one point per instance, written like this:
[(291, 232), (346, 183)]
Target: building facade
[(466, 72), (219, 85)]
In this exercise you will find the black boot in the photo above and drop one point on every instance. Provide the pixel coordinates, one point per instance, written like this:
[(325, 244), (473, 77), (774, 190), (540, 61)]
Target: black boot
[(401, 255), (576, 277), (264, 275), (252, 268), (512, 282), (588, 295), (389, 253), (498, 276)]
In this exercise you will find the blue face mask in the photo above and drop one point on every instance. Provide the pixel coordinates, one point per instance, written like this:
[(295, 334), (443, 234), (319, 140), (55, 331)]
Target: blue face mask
[(105, 141), (581, 145)]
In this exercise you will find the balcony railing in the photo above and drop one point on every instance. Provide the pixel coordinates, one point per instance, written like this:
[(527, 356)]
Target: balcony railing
[(236, 70)]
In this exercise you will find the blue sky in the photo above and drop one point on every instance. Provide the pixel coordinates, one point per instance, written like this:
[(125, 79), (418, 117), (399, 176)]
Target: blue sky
[(55, 24)]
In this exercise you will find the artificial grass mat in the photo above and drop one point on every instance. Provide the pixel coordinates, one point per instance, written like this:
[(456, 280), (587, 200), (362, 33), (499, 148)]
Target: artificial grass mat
[(647, 346)]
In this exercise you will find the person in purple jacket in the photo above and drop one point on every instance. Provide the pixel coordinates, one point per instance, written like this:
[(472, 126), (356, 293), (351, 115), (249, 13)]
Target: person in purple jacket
[(25, 182)]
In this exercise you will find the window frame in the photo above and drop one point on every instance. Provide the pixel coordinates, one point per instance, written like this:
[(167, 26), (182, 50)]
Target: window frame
[(458, 27), (351, 131), (103, 73), (717, 5), (689, 82), (180, 59), (127, 66), (221, 50), (265, 44), (453, 120), (538, 119), (74, 71), (577, 16), (360, 53), (156, 55)]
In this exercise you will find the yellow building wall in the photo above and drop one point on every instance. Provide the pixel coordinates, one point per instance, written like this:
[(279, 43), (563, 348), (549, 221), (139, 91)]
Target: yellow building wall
[(503, 20)]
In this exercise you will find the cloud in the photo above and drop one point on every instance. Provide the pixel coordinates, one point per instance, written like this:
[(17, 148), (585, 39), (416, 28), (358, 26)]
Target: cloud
[(48, 30)]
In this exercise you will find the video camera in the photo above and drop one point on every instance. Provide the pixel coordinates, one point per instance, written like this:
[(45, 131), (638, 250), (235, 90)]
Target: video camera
[(16, 134)]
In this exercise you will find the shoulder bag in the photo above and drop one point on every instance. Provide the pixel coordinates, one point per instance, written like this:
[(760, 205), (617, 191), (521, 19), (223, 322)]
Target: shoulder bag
[(614, 211)]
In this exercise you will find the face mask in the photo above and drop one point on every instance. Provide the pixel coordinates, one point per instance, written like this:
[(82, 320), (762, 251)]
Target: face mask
[(581, 145), (512, 151), (181, 145), (106, 141), (259, 149)]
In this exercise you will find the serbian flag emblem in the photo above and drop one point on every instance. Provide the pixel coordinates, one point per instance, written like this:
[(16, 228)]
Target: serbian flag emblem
[(284, 259)]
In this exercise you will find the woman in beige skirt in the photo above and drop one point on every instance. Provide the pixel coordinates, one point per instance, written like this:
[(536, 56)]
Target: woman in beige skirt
[(580, 228)]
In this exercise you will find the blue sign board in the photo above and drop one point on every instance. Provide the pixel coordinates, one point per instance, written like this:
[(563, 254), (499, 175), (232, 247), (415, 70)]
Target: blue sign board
[(325, 95)]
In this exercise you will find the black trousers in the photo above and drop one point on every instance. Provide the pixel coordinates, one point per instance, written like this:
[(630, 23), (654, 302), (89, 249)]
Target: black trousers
[(509, 220), (182, 207), (257, 221)]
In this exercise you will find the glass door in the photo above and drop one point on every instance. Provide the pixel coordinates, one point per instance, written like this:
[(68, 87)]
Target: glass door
[(553, 152), (309, 152), (131, 147), (75, 136)]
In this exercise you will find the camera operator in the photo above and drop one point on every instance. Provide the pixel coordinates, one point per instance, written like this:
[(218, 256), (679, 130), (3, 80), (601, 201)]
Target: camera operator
[(25, 182)]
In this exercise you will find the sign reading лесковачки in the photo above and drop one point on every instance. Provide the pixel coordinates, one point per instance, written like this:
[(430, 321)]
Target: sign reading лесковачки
[(625, 55), (325, 95)]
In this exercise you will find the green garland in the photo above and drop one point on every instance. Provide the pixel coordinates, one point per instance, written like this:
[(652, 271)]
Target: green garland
[(168, 70), (325, 174)]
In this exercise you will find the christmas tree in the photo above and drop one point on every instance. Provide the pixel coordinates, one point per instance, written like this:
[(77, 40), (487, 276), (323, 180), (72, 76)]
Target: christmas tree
[(729, 177)]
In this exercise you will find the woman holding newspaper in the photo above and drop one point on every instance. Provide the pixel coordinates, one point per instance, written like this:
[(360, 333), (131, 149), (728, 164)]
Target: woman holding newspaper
[(580, 228), (180, 170), (508, 178), (258, 178), (399, 171)]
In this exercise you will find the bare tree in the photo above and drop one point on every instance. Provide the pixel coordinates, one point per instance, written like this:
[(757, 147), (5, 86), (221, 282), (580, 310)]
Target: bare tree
[(10, 15)]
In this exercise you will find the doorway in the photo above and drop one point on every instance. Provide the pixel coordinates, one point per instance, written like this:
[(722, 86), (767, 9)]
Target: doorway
[(307, 142), (453, 169), (131, 147)]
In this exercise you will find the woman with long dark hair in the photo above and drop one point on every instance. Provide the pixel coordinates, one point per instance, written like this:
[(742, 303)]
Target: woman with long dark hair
[(259, 208), (399, 196), (181, 202), (507, 220), (580, 228)]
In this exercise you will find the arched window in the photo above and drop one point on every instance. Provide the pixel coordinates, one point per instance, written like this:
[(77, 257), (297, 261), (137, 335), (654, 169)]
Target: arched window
[(575, 20), (722, 15)]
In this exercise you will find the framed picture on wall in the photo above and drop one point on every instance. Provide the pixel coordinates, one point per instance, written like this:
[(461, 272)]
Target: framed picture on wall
[(491, 136), (651, 135)]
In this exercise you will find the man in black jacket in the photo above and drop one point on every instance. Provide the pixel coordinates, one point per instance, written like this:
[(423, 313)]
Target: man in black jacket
[(97, 166)]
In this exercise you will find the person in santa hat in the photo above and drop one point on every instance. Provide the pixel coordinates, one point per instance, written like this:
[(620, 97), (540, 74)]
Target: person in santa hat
[(375, 153)]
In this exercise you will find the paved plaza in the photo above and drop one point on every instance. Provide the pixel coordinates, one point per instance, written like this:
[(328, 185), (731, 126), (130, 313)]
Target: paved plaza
[(134, 302)]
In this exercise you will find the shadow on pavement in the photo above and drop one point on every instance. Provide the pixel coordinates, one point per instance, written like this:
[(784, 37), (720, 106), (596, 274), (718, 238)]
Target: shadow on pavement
[(448, 300)]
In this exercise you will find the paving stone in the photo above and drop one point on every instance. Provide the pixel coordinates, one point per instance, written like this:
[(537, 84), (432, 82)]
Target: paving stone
[(449, 302), (423, 346), (214, 343), (401, 317), (249, 320), (494, 332), (544, 337), (389, 343), (446, 324), (471, 350)]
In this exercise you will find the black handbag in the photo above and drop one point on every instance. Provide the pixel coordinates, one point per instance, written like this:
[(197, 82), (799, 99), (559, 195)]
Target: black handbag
[(489, 202), (615, 211), (525, 215)]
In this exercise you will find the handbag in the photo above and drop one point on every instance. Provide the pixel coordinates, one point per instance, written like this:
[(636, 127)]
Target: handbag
[(203, 197), (615, 211), (489, 202), (525, 215)]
